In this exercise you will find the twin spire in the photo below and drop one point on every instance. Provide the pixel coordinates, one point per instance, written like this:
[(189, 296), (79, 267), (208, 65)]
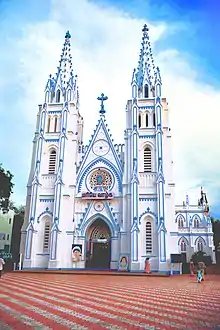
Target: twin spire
[(146, 72), (63, 87)]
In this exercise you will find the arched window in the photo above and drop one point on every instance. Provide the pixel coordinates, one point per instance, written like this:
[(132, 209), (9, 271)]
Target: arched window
[(52, 162), (148, 231), (154, 119), (146, 91), (147, 159), (58, 96), (196, 223), (180, 222), (48, 125), (139, 120), (55, 124), (200, 245), (183, 245), (146, 119), (47, 229)]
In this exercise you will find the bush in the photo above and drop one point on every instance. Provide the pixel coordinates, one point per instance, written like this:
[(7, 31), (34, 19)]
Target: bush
[(201, 256)]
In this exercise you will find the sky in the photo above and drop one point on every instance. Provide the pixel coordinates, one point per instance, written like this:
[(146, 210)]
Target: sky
[(106, 37)]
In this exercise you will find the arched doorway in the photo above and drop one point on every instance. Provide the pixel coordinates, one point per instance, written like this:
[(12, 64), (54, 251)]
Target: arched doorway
[(98, 249)]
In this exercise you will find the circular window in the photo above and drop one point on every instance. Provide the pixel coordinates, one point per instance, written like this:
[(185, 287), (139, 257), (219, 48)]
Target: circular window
[(100, 179)]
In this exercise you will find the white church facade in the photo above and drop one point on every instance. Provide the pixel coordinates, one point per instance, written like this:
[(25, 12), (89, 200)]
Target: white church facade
[(96, 205)]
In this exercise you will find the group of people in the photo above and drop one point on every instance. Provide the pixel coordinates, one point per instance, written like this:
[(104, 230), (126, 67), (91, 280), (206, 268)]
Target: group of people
[(200, 269)]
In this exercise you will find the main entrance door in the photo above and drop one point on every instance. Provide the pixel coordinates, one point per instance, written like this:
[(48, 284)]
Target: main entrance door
[(98, 254)]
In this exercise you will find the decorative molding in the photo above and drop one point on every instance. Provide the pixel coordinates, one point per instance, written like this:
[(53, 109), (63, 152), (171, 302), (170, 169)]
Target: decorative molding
[(46, 212)]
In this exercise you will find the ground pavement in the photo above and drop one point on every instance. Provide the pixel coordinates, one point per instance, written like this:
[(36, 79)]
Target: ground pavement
[(48, 301)]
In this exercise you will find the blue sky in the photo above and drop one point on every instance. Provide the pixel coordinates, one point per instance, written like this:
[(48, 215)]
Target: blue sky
[(186, 46)]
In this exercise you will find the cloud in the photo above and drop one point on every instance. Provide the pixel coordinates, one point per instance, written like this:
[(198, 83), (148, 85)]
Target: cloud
[(105, 49)]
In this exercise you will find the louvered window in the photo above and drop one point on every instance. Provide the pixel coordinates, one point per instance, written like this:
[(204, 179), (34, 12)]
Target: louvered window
[(148, 238), (147, 159), (47, 237), (52, 162)]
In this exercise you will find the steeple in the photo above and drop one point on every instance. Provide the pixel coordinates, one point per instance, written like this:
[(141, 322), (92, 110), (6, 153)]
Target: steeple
[(145, 74), (62, 87)]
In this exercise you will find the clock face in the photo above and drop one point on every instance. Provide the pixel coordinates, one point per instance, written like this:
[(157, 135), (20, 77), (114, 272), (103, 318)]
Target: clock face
[(101, 148)]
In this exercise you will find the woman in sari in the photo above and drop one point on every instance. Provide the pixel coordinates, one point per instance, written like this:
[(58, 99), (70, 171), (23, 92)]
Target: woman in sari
[(147, 266)]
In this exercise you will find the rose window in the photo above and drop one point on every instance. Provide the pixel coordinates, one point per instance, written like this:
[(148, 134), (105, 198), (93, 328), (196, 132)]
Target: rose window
[(100, 179)]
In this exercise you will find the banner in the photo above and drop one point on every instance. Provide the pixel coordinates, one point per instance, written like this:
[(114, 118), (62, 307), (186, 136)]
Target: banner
[(123, 264)]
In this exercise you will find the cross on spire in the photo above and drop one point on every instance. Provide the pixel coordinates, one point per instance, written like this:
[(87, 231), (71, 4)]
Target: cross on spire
[(102, 98)]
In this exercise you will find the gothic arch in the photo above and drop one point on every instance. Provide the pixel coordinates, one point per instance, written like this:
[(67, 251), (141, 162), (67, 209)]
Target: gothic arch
[(200, 238), (146, 119), (149, 144), (58, 95), (52, 147), (148, 230), (183, 238), (88, 222), (196, 216), (46, 212), (148, 213), (90, 166), (180, 214)]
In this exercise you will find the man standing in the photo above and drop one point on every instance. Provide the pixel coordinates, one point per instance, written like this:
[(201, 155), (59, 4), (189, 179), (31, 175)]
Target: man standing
[(2, 262)]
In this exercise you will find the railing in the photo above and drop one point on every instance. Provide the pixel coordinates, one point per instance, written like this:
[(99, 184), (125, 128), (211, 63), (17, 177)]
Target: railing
[(48, 181)]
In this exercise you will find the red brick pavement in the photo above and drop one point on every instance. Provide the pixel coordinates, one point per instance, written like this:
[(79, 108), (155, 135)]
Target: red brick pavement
[(47, 301)]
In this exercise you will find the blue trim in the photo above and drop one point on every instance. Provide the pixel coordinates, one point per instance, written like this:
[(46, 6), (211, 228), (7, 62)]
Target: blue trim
[(51, 112), (51, 140), (87, 223), (101, 124), (183, 238), (146, 107), (47, 200), (47, 211), (191, 234), (198, 238), (178, 215), (180, 211), (146, 212), (147, 136), (102, 160)]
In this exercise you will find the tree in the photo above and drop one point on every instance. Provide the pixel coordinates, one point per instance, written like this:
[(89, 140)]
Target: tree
[(6, 187), (216, 231)]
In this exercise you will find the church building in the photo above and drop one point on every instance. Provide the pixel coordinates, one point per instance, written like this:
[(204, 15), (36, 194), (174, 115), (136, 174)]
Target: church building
[(105, 205)]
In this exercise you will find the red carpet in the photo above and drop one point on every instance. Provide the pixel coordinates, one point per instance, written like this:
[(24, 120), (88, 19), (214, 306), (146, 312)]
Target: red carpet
[(48, 301)]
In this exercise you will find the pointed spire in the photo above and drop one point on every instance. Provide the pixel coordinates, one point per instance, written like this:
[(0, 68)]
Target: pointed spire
[(145, 72), (63, 86)]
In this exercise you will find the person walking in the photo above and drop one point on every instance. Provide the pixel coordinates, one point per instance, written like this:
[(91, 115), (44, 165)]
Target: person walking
[(147, 265), (2, 262), (192, 267)]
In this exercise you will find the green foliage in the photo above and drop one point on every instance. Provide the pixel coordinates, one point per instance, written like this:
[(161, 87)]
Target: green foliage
[(201, 256), (216, 231), (6, 187), (17, 209)]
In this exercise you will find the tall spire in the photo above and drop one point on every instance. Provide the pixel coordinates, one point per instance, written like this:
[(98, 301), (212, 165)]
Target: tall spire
[(145, 72), (63, 86)]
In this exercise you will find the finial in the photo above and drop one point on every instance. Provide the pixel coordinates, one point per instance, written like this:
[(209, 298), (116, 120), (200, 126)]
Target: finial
[(145, 29), (67, 36), (102, 98)]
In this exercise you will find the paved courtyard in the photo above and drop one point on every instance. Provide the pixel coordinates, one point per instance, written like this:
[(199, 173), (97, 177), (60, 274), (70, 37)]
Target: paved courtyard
[(46, 301)]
